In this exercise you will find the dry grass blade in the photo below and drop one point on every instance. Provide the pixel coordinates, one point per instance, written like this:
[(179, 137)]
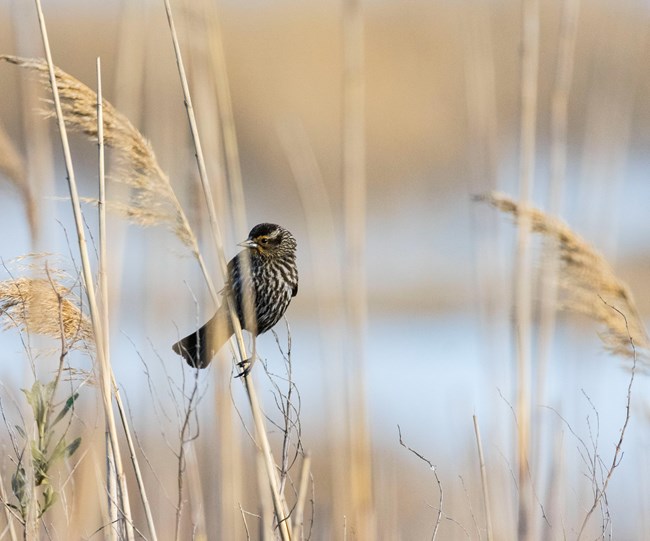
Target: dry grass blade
[(153, 201), (44, 306), (586, 279), (11, 163), (12, 166)]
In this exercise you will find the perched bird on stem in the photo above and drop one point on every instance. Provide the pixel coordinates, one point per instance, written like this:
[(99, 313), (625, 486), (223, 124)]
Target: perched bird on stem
[(261, 281)]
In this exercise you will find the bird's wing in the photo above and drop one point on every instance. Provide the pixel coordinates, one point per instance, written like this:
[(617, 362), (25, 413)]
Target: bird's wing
[(237, 282), (233, 277)]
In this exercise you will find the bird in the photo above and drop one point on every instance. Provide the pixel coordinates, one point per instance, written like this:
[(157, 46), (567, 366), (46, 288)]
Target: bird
[(261, 281)]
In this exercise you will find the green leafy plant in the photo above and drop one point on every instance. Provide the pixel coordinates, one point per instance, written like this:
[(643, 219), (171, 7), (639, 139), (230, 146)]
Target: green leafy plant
[(48, 447)]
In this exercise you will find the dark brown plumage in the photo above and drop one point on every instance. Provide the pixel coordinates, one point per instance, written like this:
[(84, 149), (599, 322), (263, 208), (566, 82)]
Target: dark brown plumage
[(261, 294)]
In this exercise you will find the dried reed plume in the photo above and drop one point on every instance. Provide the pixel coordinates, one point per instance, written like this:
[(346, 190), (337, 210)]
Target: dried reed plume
[(586, 280), (44, 306), (12, 166), (153, 201)]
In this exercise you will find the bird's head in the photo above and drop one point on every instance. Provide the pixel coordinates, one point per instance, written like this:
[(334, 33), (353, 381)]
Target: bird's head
[(270, 240)]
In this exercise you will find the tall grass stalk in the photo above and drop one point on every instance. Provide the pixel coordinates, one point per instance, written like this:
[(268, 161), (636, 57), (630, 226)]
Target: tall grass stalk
[(281, 513), (103, 286), (523, 270), (354, 189), (195, 480), (103, 281), (483, 141), (558, 159), (104, 362), (226, 117), (39, 162), (211, 96), (330, 304), (303, 485)]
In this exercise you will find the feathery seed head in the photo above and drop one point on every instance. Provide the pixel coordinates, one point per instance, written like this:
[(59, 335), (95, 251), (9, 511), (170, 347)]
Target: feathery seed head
[(586, 279), (42, 306), (153, 201)]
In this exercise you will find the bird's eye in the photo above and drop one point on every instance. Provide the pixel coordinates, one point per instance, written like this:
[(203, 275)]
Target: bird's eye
[(264, 241)]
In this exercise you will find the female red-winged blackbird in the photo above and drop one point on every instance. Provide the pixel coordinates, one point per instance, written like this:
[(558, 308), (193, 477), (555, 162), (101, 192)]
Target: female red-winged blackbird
[(260, 290)]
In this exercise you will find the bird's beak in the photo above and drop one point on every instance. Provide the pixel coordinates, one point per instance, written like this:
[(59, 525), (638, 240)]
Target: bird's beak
[(248, 243)]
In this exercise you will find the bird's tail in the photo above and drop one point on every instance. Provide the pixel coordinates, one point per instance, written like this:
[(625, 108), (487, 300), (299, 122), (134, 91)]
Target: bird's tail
[(201, 346)]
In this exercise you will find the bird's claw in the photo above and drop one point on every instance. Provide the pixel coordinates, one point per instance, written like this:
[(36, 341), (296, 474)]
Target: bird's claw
[(246, 366)]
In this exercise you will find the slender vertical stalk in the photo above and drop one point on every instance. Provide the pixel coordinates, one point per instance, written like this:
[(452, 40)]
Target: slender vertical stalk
[(111, 478), (200, 160), (354, 182), (104, 362), (136, 465), (559, 123), (212, 97), (558, 160), (265, 504), (195, 489), (484, 483), (298, 532), (101, 207), (329, 297), (284, 523), (227, 120), (103, 281), (522, 319), (354, 170), (38, 154)]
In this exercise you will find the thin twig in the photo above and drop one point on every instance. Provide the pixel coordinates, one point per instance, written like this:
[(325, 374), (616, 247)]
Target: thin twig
[(289, 408), (484, 481), (435, 473), (618, 453), (185, 438), (470, 507), (243, 517)]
